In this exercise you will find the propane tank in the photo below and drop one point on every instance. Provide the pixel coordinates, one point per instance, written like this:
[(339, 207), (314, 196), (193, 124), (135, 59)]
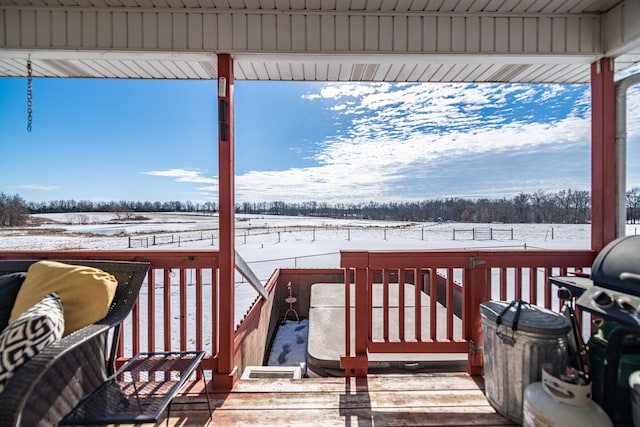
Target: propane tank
[(557, 403)]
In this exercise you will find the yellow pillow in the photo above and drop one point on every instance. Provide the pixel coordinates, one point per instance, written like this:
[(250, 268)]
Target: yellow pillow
[(86, 292)]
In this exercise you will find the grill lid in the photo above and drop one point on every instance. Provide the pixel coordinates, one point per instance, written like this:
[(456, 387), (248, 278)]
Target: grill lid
[(621, 255)]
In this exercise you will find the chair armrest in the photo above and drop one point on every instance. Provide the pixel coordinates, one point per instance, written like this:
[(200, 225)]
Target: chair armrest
[(48, 386)]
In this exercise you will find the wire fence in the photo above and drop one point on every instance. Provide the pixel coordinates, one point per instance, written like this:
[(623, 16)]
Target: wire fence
[(246, 236), (483, 233)]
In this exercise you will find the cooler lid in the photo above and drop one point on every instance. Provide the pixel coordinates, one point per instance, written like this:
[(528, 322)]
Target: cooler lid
[(532, 318)]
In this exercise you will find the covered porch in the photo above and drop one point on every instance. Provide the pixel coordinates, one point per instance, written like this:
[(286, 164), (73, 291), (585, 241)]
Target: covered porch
[(428, 396), (554, 42), (414, 397)]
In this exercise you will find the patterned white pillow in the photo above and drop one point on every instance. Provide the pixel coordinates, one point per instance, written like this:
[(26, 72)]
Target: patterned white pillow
[(28, 334)]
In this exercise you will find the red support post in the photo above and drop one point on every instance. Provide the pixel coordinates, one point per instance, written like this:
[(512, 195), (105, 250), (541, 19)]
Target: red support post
[(227, 373), (603, 155)]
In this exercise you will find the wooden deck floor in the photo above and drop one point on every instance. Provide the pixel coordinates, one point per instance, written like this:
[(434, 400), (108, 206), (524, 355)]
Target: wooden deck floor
[(443, 399)]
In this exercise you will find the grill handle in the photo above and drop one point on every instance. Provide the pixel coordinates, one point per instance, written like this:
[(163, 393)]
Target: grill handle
[(631, 278)]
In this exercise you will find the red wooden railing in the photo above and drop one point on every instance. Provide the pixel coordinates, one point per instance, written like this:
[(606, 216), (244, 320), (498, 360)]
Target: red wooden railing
[(460, 282), (178, 308)]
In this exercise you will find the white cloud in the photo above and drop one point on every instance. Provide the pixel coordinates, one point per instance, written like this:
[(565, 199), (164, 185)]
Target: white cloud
[(633, 110), (408, 141), (398, 133), (366, 170), (341, 90), (37, 187), (182, 175)]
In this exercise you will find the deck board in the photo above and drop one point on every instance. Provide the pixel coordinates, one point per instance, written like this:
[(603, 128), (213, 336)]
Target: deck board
[(448, 399)]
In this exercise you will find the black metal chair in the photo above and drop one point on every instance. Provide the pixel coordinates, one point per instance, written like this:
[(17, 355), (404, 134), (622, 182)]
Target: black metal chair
[(48, 386)]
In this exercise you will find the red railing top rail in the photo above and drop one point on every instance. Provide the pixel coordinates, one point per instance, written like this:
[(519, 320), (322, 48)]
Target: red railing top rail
[(158, 259), (453, 258)]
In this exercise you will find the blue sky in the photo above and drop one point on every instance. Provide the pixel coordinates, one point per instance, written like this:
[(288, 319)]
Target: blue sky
[(104, 140)]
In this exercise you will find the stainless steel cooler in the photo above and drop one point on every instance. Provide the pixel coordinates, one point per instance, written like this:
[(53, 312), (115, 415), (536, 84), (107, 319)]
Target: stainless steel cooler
[(518, 338)]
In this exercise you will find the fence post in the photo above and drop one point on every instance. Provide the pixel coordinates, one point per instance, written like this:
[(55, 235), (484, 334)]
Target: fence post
[(423, 233), (385, 233), (473, 230), (490, 233), (129, 242), (454, 234), (348, 234)]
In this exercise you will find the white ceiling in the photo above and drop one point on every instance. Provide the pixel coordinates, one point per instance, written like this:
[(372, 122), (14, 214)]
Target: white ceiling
[(553, 41)]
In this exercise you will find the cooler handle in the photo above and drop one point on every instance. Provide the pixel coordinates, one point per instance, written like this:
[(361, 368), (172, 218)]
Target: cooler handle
[(516, 317)]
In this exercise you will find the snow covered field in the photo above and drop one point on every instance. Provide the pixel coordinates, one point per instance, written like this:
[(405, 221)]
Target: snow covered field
[(270, 242)]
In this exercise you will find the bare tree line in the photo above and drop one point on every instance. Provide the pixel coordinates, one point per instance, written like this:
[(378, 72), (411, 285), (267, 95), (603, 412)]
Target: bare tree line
[(122, 207), (565, 206), (633, 205), (13, 211)]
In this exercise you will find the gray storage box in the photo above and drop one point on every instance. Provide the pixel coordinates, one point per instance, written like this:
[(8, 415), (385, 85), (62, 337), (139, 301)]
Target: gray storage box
[(513, 358)]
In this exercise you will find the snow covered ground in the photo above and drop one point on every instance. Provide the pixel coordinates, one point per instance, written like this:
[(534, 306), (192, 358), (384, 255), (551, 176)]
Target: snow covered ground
[(271, 242)]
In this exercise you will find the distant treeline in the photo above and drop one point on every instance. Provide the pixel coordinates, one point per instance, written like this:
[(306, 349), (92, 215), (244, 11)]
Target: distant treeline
[(120, 207), (565, 206)]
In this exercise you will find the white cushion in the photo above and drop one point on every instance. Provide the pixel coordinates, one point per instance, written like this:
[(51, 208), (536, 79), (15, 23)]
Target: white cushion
[(36, 328)]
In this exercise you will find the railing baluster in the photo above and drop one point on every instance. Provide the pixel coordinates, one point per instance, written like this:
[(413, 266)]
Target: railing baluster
[(183, 309), (347, 309), (135, 331), (370, 305), (385, 304), (167, 309), (517, 272), (547, 288), (450, 303), (533, 285), (433, 304), (215, 308), (199, 310), (401, 304), (503, 283), (199, 314), (151, 310), (417, 288)]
